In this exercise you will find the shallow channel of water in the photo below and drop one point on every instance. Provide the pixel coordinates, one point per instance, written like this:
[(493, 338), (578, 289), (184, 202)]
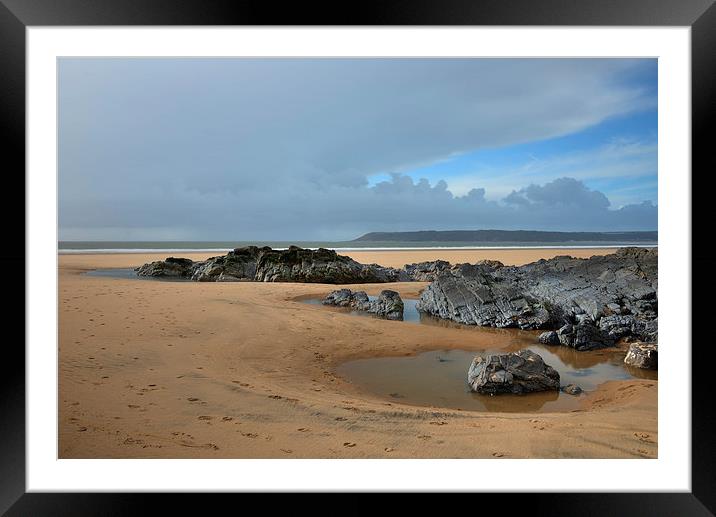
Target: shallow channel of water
[(129, 273)]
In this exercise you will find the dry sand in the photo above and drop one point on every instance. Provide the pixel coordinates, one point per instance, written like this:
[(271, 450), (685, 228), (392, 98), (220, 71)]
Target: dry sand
[(151, 369)]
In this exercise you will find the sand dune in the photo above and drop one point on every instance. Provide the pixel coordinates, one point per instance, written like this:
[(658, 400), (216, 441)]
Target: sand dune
[(245, 370)]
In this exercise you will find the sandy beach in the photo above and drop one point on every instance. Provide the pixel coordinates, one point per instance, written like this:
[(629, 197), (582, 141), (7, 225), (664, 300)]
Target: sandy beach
[(152, 369)]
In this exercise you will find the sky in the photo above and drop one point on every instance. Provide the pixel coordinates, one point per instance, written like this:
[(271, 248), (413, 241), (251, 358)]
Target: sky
[(329, 149)]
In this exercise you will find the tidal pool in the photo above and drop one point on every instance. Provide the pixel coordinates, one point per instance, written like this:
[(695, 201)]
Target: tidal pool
[(438, 378)]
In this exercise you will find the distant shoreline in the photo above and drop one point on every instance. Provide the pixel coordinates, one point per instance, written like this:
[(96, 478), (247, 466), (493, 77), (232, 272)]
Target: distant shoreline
[(88, 251)]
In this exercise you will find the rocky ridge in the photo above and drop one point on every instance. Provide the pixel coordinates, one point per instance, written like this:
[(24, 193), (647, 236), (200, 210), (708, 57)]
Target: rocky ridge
[(265, 264), (586, 303), (581, 303)]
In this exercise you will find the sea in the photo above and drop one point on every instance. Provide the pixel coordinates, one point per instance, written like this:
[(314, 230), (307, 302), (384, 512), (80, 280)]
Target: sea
[(69, 247)]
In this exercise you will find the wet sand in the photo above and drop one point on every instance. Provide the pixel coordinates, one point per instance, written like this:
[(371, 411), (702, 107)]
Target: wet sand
[(151, 369)]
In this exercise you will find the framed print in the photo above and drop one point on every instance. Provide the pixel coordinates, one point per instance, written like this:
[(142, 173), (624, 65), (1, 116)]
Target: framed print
[(417, 253)]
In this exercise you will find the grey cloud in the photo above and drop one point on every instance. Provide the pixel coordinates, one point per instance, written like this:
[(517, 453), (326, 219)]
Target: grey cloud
[(282, 148), (339, 213), (562, 191)]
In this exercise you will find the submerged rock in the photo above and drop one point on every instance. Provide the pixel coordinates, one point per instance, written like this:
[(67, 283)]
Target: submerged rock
[(388, 305), (572, 389), (517, 372), (593, 302), (643, 355), (171, 267)]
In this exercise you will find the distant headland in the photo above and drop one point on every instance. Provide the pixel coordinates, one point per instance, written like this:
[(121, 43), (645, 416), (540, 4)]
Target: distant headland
[(484, 236)]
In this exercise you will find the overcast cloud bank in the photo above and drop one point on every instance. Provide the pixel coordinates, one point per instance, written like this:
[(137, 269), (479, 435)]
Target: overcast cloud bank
[(283, 149)]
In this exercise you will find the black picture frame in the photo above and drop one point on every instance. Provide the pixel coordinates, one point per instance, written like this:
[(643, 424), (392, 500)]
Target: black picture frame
[(700, 15)]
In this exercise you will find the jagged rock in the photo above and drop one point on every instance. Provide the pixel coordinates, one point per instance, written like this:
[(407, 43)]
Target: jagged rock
[(549, 294), (549, 338), (429, 271), (583, 336), (171, 267), (388, 305), (643, 355), (340, 298), (475, 295), (517, 372), (319, 266), (264, 264), (238, 264), (572, 389), (426, 271), (492, 264), (621, 326)]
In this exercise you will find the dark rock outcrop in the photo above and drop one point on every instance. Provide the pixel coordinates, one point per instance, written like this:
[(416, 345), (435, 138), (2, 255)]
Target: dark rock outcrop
[(171, 267), (643, 355), (319, 266), (583, 336), (265, 264), (426, 271), (549, 338), (518, 372), (429, 271), (593, 302), (388, 305), (238, 264)]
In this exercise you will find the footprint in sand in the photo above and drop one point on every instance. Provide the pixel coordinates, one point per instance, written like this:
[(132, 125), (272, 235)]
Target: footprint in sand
[(341, 419), (349, 444), (644, 437), (442, 422), (497, 454), (303, 429), (388, 449)]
